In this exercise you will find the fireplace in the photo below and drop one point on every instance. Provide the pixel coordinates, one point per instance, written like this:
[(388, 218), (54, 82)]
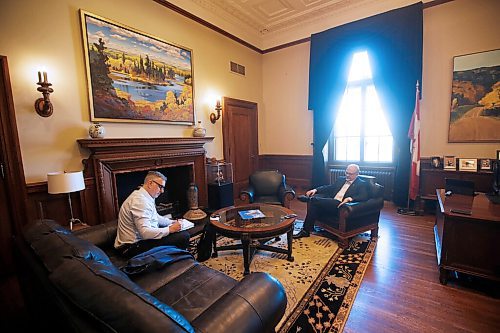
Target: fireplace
[(116, 167)]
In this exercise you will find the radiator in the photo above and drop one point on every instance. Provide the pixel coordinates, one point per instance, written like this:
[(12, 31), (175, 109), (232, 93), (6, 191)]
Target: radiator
[(384, 177)]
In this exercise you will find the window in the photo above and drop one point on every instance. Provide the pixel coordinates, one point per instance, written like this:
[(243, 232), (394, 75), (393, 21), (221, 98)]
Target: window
[(361, 133)]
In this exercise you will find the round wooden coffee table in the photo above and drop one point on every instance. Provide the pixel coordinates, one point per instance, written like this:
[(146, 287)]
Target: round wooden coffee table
[(251, 232)]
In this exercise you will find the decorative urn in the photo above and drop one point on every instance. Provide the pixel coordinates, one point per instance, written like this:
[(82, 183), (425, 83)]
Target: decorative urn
[(96, 131), (199, 131)]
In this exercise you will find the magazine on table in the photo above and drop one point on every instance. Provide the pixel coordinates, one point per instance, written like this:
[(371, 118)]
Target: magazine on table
[(251, 214)]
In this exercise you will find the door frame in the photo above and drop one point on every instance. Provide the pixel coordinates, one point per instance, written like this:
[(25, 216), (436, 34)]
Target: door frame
[(226, 130), (13, 171)]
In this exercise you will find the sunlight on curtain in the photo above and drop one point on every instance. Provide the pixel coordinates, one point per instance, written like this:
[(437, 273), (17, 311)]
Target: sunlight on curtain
[(361, 127)]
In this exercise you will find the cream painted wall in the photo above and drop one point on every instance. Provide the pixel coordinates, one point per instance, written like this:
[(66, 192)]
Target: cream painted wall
[(49, 35), (451, 29), (286, 126), (455, 28)]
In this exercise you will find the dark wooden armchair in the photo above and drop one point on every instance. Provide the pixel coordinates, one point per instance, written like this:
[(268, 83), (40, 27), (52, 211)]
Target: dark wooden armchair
[(356, 217), (268, 186)]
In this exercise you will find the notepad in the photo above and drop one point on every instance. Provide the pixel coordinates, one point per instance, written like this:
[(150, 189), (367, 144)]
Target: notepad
[(186, 224)]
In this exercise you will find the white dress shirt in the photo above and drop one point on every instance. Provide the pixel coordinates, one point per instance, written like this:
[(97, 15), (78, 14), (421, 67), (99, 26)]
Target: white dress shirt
[(340, 194), (138, 219)]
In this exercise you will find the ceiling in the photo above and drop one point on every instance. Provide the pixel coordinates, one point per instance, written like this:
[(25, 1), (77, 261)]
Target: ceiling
[(270, 23)]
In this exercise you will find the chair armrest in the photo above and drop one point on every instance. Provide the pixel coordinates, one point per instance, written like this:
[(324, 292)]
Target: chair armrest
[(256, 304), (247, 195), (356, 209), (286, 193)]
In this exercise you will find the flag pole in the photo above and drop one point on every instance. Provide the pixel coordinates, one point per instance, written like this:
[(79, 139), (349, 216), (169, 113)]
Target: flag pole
[(407, 210)]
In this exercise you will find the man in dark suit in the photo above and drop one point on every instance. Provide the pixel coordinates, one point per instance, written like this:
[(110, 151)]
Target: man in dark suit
[(326, 200)]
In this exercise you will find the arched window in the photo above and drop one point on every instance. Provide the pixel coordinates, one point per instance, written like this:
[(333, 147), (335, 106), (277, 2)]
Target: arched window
[(361, 133)]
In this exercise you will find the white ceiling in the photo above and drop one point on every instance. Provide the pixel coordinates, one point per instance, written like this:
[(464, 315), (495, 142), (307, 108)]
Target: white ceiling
[(269, 23)]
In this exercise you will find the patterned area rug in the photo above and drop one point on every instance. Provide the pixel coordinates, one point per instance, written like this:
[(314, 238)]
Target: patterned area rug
[(321, 283)]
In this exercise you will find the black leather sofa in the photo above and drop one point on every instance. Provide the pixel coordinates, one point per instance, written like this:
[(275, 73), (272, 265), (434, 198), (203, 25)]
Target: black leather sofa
[(71, 285)]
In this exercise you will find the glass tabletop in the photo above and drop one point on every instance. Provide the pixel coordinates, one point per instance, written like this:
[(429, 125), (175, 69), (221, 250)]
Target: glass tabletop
[(250, 217)]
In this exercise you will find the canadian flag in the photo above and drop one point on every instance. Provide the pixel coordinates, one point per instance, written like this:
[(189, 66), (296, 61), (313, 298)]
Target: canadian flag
[(414, 135)]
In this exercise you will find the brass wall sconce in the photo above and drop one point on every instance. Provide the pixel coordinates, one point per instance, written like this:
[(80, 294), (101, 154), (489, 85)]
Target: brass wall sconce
[(218, 108), (43, 106)]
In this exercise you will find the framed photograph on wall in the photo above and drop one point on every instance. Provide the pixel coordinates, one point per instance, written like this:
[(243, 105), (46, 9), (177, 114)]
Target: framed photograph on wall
[(436, 162), (498, 154), (449, 163), (475, 96), (485, 164), (467, 164), (135, 77)]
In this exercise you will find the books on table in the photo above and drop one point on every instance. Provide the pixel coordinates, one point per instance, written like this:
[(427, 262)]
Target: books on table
[(251, 214)]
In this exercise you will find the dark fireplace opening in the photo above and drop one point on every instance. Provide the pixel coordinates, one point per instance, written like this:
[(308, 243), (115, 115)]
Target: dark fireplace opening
[(172, 201)]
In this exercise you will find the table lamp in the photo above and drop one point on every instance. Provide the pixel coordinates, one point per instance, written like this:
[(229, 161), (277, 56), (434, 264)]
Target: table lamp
[(66, 182)]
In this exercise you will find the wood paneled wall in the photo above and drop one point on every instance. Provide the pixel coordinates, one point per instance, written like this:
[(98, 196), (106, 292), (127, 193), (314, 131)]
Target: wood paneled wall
[(297, 169)]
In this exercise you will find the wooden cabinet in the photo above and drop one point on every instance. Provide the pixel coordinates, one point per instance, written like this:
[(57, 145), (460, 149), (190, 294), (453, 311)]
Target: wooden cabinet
[(467, 243), (432, 179)]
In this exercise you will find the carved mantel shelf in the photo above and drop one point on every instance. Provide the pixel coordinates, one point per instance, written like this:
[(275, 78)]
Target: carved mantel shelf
[(110, 157), (119, 145)]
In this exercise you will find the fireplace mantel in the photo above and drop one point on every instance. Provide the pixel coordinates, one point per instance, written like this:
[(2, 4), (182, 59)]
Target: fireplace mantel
[(109, 157)]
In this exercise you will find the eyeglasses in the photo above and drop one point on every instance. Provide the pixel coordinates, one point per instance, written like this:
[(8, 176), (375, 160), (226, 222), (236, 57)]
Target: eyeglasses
[(162, 187), (350, 173)]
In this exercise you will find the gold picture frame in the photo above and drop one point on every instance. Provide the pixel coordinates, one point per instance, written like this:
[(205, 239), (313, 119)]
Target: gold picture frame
[(136, 77), (475, 96), (467, 164)]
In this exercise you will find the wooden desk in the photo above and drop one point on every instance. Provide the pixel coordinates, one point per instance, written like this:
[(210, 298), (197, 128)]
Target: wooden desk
[(467, 243)]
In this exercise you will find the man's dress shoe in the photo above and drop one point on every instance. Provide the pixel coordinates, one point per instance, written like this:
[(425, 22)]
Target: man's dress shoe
[(301, 233)]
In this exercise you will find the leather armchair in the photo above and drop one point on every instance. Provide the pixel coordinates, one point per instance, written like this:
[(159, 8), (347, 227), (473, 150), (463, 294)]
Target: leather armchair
[(268, 186), (357, 217)]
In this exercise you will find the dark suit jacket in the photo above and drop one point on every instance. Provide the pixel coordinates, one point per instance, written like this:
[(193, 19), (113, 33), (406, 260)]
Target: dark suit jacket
[(358, 190)]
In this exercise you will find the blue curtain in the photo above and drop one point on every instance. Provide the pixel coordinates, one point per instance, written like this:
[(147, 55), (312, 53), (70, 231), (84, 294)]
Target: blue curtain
[(394, 44)]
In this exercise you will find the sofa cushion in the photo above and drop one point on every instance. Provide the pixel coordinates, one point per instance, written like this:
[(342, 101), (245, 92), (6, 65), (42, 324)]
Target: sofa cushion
[(195, 290), (110, 297)]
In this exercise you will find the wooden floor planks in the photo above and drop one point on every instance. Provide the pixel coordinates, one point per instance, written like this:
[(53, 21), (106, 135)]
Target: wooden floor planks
[(401, 291)]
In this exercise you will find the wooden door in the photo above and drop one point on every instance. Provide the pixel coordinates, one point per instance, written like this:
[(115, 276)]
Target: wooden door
[(13, 196), (241, 142)]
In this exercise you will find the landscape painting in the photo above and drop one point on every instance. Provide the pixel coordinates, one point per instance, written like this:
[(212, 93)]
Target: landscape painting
[(475, 98), (134, 77)]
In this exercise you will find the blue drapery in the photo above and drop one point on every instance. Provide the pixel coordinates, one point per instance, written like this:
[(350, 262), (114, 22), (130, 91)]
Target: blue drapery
[(394, 44)]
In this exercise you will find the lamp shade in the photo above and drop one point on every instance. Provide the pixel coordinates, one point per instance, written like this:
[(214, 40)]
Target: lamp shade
[(65, 182)]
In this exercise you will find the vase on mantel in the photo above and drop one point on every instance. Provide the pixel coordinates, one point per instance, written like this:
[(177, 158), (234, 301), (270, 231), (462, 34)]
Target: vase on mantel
[(96, 131), (199, 131)]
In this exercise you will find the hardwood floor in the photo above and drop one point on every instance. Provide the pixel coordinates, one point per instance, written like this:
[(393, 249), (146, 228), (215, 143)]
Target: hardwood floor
[(401, 291)]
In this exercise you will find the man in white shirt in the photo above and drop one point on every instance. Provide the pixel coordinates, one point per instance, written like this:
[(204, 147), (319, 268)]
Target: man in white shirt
[(140, 227), (326, 200)]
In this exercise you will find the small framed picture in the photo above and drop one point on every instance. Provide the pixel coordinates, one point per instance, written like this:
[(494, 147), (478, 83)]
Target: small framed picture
[(436, 162), (450, 163), (485, 164), (498, 154), (467, 164)]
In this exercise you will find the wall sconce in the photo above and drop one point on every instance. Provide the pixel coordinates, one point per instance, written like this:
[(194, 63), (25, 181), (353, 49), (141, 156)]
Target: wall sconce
[(218, 108), (43, 106)]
